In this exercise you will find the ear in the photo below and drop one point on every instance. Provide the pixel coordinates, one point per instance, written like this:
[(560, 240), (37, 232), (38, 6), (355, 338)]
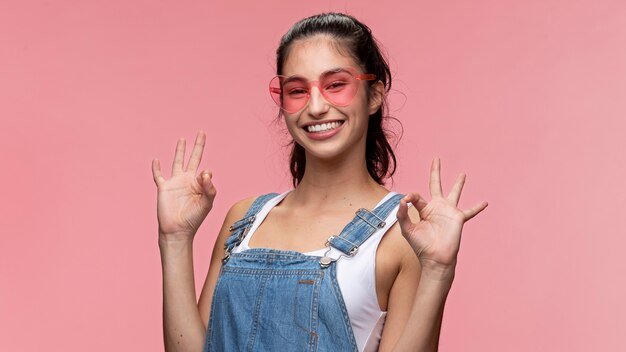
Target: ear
[(377, 95)]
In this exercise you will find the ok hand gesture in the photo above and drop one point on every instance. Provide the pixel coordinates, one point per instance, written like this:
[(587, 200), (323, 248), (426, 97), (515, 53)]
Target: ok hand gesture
[(185, 199), (437, 236)]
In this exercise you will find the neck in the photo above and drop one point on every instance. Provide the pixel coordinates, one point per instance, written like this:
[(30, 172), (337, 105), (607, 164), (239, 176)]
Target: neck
[(343, 181)]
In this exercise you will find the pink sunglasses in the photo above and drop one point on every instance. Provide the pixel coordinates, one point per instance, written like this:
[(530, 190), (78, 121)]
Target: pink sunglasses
[(338, 86)]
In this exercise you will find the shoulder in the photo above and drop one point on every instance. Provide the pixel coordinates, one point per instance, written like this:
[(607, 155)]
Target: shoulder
[(238, 210)]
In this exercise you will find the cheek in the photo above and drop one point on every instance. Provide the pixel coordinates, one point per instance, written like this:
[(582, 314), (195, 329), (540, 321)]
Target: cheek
[(362, 105), (291, 123), (363, 100)]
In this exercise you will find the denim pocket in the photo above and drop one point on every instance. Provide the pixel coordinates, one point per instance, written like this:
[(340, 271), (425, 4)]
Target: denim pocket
[(306, 302)]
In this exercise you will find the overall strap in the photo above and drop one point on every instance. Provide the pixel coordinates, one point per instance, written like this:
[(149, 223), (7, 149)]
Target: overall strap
[(240, 228), (364, 225)]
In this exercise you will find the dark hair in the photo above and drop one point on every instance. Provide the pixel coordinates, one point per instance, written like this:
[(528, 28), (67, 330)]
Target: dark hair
[(355, 39)]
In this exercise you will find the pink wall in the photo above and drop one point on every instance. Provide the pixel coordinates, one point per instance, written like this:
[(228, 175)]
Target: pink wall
[(527, 97)]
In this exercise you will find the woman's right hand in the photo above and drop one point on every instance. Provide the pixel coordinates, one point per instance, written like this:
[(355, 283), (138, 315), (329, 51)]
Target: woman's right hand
[(185, 199)]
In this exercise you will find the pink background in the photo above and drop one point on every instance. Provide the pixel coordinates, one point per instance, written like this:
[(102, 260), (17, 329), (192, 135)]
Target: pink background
[(527, 97)]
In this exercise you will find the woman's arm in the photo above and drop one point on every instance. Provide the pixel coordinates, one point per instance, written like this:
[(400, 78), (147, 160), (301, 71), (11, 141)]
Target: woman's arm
[(184, 321), (421, 332), (412, 306), (183, 202), (435, 241), (182, 327)]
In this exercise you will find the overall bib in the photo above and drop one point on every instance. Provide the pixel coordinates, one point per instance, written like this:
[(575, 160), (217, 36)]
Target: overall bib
[(280, 300)]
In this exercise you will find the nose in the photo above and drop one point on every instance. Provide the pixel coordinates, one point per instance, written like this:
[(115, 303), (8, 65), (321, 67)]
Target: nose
[(318, 105)]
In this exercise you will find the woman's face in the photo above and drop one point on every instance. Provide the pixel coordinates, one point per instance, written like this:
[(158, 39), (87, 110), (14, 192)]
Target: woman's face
[(344, 128)]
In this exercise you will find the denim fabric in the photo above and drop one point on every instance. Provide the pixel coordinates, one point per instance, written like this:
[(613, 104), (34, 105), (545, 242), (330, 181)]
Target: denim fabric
[(279, 300)]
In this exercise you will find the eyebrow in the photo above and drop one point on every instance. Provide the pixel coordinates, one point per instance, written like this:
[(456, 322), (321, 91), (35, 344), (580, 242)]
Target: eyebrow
[(325, 73)]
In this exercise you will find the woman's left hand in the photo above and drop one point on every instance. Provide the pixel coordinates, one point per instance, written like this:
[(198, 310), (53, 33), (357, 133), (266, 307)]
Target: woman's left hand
[(437, 236)]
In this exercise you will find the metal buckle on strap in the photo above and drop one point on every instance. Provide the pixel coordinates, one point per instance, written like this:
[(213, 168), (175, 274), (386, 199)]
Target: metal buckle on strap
[(226, 255), (325, 260), (353, 250), (237, 225), (239, 237), (241, 223), (243, 233), (380, 225)]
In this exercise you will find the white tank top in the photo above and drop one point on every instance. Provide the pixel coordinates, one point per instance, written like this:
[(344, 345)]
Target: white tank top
[(356, 277)]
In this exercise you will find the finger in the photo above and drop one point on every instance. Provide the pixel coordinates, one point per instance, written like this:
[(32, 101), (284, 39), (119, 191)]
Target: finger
[(196, 153), (435, 178), (403, 216), (156, 172), (417, 200), (470, 213), (202, 176), (205, 179), (179, 156), (455, 193)]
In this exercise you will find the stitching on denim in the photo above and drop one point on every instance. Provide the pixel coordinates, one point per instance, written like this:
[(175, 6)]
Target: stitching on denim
[(315, 313), (255, 316), (312, 304), (274, 272), (274, 254), (338, 295), (210, 329)]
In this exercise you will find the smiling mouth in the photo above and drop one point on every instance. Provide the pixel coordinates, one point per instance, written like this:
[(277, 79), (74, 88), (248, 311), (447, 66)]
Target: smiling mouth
[(324, 127)]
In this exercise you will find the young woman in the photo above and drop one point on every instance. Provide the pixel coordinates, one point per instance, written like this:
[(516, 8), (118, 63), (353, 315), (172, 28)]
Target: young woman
[(339, 263)]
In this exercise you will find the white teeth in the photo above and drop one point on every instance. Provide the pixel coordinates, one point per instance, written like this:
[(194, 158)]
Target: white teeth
[(323, 127)]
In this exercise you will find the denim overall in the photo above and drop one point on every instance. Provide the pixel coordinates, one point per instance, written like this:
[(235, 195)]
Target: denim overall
[(280, 300)]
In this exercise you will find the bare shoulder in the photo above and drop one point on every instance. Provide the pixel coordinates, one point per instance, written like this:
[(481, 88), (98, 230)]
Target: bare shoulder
[(239, 209), (236, 212)]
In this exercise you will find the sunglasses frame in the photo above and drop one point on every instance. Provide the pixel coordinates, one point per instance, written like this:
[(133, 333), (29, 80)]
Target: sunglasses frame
[(353, 72)]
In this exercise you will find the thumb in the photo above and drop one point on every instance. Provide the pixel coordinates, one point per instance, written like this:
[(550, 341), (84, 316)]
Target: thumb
[(204, 178)]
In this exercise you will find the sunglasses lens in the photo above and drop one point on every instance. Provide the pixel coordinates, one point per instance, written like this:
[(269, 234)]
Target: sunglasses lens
[(339, 88), (289, 93)]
